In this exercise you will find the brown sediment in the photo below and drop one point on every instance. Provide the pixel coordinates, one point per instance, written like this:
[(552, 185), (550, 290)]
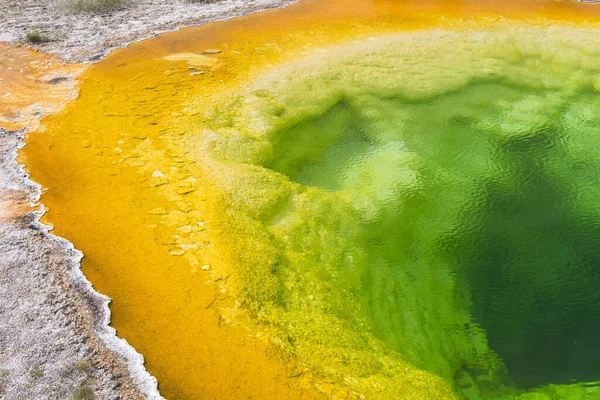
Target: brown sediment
[(15, 204)]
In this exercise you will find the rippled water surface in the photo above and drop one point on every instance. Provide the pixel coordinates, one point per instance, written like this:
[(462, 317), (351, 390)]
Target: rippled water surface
[(510, 209), (390, 199)]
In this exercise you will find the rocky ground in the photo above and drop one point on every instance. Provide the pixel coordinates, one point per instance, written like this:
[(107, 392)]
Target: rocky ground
[(85, 37), (55, 339)]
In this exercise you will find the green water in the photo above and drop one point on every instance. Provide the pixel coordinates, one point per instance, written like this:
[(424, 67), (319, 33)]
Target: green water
[(516, 218), (441, 209)]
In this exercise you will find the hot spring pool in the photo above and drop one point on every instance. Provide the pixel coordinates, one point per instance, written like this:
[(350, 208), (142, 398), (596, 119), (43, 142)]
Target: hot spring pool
[(374, 203)]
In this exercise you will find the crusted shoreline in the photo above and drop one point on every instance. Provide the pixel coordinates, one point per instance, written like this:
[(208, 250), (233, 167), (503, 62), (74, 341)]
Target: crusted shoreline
[(89, 37), (55, 327), (55, 335)]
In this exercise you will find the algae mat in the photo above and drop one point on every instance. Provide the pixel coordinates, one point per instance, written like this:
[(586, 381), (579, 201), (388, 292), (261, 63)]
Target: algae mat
[(365, 199)]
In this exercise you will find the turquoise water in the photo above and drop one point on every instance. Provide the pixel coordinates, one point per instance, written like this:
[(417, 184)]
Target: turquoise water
[(440, 208)]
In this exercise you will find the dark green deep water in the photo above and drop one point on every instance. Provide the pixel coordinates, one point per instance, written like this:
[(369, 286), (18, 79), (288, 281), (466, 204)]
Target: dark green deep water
[(513, 212), (410, 203)]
